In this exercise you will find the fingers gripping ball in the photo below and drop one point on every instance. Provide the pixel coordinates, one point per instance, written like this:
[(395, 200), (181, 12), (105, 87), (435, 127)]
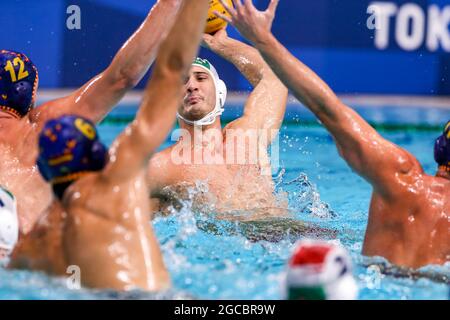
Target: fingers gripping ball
[(214, 23)]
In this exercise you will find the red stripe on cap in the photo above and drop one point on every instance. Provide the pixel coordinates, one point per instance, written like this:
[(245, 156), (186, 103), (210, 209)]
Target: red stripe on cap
[(305, 255)]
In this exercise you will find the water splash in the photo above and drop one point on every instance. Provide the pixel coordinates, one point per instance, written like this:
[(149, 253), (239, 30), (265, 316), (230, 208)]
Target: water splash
[(194, 217), (435, 273), (304, 198)]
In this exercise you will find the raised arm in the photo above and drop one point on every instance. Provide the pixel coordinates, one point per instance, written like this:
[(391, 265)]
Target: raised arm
[(371, 156), (266, 105), (133, 148), (97, 97)]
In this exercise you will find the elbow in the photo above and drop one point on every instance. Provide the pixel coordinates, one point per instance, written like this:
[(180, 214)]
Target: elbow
[(123, 79), (128, 80), (328, 104), (176, 61)]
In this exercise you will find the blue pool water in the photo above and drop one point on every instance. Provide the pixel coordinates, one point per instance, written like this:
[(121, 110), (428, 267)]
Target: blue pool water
[(219, 260)]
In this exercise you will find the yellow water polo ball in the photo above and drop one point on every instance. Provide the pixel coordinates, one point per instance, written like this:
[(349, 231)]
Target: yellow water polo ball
[(214, 23)]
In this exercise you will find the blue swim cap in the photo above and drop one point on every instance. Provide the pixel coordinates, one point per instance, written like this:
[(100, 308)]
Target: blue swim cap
[(442, 147), (69, 147), (18, 83)]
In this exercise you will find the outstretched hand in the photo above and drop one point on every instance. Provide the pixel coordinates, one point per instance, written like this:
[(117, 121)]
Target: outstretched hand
[(250, 22), (215, 42)]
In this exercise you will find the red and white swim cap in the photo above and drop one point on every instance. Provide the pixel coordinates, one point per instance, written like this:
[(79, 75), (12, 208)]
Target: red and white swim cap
[(320, 270)]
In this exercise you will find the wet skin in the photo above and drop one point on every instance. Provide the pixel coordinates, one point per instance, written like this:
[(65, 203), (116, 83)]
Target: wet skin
[(228, 187), (102, 223), (18, 137), (18, 171), (104, 230), (411, 225), (243, 183), (409, 215)]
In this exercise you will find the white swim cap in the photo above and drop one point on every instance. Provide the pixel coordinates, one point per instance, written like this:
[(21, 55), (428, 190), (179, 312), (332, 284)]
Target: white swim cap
[(221, 95), (320, 271), (9, 222)]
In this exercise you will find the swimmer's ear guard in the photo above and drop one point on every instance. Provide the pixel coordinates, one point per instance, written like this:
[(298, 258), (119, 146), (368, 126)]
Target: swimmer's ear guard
[(442, 147), (69, 147), (18, 83)]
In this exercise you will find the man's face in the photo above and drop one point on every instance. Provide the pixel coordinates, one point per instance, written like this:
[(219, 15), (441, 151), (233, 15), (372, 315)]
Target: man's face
[(200, 95)]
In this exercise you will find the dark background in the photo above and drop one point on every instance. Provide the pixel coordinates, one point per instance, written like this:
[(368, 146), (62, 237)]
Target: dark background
[(330, 36)]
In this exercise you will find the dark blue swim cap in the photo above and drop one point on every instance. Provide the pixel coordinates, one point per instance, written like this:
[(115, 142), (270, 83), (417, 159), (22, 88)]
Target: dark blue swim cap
[(18, 83), (68, 148), (442, 147)]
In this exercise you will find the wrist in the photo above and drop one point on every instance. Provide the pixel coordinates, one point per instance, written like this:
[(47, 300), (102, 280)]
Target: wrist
[(264, 40), (224, 47)]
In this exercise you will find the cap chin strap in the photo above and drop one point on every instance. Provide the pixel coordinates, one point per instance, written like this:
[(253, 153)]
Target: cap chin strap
[(207, 120), (221, 96)]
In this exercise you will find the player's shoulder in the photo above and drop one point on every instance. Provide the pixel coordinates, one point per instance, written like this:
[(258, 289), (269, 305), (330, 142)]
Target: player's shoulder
[(241, 124), (158, 171), (399, 174), (161, 158), (404, 163), (48, 109)]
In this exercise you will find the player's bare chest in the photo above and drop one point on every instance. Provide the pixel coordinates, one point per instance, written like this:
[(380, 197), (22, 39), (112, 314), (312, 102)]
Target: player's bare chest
[(18, 144)]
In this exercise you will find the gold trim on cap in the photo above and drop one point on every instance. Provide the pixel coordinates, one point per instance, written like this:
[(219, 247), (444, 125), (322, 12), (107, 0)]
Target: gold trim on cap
[(69, 177)]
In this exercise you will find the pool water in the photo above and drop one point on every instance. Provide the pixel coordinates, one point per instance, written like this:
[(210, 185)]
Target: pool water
[(213, 259)]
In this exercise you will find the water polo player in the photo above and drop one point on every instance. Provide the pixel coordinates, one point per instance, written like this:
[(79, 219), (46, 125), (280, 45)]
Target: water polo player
[(409, 216), (20, 122), (234, 183), (99, 218), (442, 152)]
